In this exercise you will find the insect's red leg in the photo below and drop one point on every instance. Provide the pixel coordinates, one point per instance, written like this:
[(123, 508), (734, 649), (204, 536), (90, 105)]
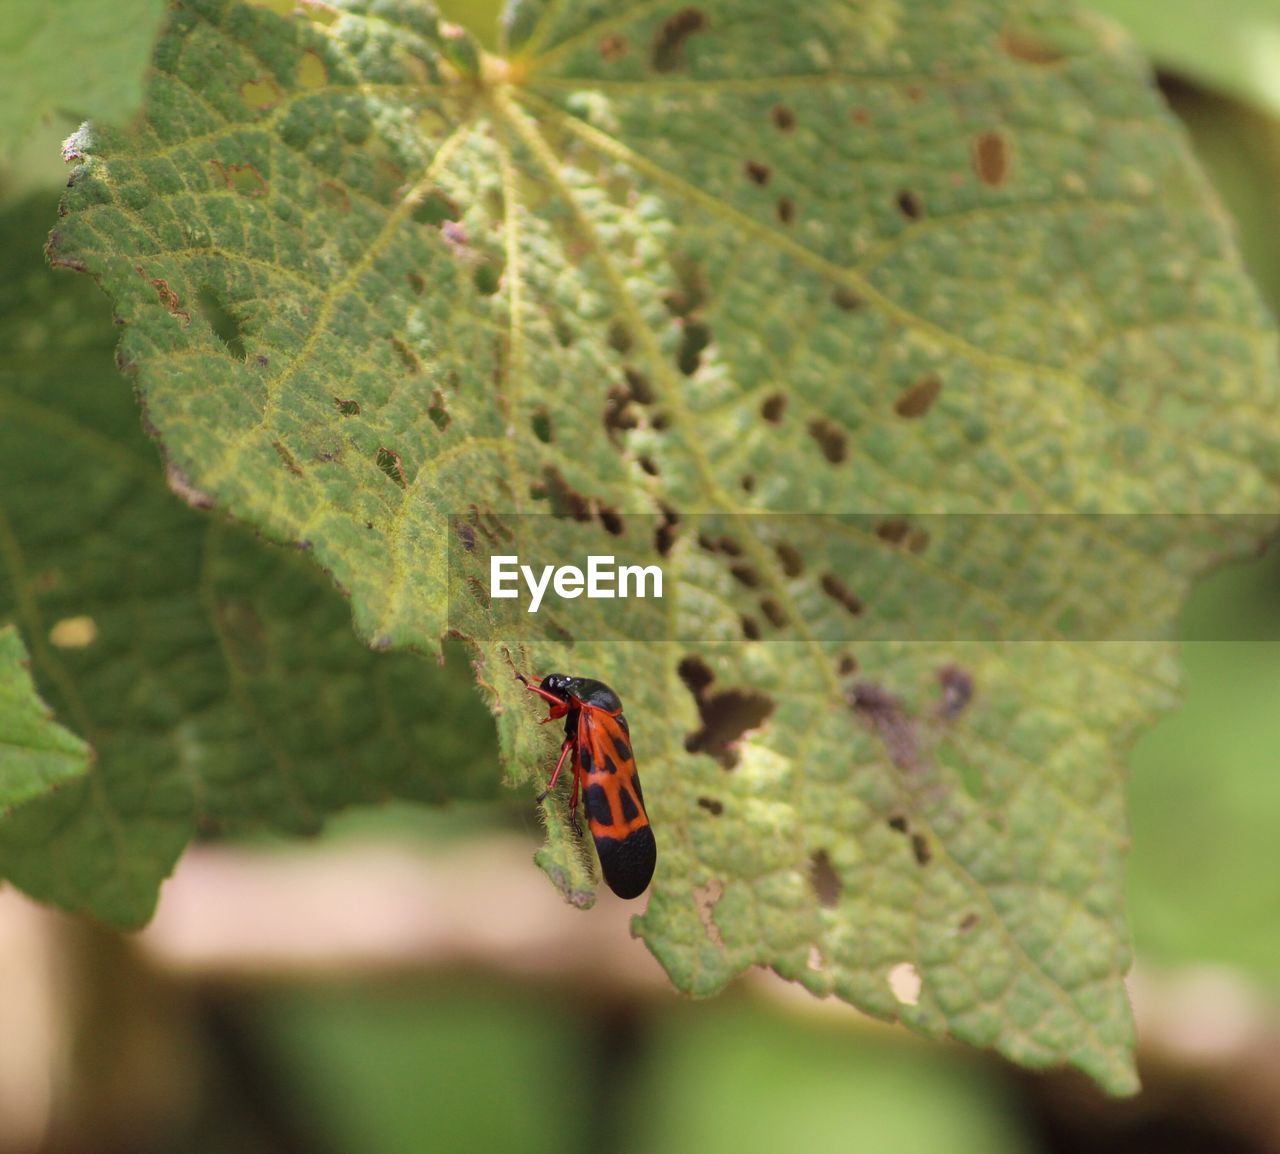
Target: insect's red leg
[(555, 773), (551, 697)]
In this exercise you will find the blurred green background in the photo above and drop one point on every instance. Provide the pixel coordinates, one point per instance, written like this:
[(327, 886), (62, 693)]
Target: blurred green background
[(468, 1061)]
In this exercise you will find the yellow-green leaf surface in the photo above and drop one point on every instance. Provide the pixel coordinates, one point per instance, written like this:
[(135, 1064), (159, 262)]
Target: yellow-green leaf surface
[(661, 262), (36, 753), (73, 57), (217, 678)]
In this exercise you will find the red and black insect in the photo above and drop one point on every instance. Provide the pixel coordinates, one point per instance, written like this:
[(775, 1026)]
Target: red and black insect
[(598, 741)]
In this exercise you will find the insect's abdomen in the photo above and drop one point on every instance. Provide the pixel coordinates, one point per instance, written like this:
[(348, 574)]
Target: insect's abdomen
[(616, 816)]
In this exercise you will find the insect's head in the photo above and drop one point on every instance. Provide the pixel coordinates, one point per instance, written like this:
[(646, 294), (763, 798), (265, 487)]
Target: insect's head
[(559, 684)]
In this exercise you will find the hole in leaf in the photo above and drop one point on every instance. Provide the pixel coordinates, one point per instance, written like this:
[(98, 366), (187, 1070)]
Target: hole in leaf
[(713, 807), (224, 323), (750, 628), (347, 408), (659, 422), (847, 664), (845, 299), (705, 898), (831, 439), (389, 463), (773, 611), (619, 413), (824, 879), (991, 158), (757, 173), (479, 592), (648, 465), (729, 547), (786, 209), (746, 574), (726, 716), (910, 204), (917, 398), (747, 483), (437, 412), (487, 279), (837, 590), (694, 339), (611, 519), (669, 44), (898, 823), (789, 558), (920, 849), (905, 983), (957, 691), (783, 118), (541, 424), (773, 407), (435, 208)]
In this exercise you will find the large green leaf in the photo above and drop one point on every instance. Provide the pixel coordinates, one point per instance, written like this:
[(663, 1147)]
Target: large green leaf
[(723, 260), (217, 678), (36, 753), (74, 57)]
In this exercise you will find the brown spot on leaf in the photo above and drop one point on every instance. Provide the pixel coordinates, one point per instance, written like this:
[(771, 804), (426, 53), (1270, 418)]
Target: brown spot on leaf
[(773, 407), (991, 158), (347, 408), (845, 299), (773, 611), (837, 590), (713, 807), (612, 47), (619, 337), (847, 664), (287, 457), (180, 484), (695, 338), (673, 35), (824, 879), (910, 204), (831, 439), (920, 849), (746, 574), (407, 356), (664, 537), (957, 691), (750, 627), (612, 521), (783, 118), (757, 173), (695, 673), (967, 923), (565, 500), (1023, 45), (244, 179), (167, 296), (786, 209), (437, 412), (789, 558), (886, 715), (917, 398)]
